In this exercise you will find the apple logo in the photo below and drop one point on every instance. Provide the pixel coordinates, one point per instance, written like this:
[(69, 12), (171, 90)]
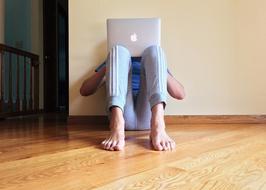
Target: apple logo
[(133, 37)]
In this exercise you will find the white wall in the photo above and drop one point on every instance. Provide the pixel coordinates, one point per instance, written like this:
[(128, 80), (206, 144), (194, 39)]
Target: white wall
[(215, 48)]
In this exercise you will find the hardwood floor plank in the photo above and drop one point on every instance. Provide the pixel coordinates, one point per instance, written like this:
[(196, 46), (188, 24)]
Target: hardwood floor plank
[(46, 155), (200, 171)]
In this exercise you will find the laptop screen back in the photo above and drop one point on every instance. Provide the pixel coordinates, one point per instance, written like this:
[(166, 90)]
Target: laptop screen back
[(134, 34)]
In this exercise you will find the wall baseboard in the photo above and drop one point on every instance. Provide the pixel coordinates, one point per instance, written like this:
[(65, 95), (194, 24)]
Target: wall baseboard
[(179, 119), (215, 119), (88, 119)]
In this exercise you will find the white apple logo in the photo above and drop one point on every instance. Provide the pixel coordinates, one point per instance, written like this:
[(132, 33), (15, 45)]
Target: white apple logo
[(133, 37)]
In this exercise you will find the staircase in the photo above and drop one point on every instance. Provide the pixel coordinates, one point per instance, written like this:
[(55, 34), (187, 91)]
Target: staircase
[(19, 82)]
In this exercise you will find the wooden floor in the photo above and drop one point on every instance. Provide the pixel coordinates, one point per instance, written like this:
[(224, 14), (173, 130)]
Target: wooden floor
[(48, 154)]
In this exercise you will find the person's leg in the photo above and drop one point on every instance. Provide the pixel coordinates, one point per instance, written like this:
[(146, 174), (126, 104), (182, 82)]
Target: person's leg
[(117, 71), (129, 108), (143, 109), (155, 93)]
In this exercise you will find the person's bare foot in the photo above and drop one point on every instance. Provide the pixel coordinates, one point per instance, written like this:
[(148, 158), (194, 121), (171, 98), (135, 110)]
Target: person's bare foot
[(116, 140), (158, 136)]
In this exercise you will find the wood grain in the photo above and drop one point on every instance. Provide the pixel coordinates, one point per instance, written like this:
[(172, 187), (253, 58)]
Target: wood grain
[(48, 154)]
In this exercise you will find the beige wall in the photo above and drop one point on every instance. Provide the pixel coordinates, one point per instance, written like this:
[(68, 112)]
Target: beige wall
[(215, 48), (2, 21), (251, 56)]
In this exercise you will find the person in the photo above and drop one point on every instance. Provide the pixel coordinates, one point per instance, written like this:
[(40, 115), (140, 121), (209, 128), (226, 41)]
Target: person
[(136, 95)]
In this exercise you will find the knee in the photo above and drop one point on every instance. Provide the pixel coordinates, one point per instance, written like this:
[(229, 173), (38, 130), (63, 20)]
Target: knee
[(153, 53), (118, 54), (120, 49)]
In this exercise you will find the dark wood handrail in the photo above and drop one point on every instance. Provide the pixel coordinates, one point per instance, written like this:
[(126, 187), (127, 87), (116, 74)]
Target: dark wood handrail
[(20, 52)]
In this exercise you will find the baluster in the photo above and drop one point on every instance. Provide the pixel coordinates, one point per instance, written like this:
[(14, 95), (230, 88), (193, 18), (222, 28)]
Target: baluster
[(24, 85), (30, 99), (36, 84), (1, 80), (33, 86), (17, 99), (19, 102), (10, 102)]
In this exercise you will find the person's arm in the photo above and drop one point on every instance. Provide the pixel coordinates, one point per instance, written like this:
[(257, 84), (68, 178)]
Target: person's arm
[(175, 88), (90, 85)]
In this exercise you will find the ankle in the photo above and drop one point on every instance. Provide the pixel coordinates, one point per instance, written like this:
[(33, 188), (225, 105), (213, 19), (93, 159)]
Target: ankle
[(157, 124), (157, 113), (117, 120), (116, 111), (157, 128), (158, 109)]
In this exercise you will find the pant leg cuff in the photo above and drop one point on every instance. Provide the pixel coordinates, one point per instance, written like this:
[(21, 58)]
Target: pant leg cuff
[(158, 98), (116, 101)]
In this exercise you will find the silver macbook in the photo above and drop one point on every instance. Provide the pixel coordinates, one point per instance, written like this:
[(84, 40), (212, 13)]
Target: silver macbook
[(135, 34)]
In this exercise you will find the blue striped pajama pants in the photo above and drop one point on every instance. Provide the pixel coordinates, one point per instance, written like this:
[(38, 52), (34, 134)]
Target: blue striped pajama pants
[(153, 85)]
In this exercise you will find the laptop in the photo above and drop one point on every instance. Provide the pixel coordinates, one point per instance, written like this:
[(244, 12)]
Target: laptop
[(136, 34)]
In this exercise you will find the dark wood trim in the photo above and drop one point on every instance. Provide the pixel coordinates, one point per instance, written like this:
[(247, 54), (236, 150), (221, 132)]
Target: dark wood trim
[(96, 119), (51, 53), (181, 119), (25, 113)]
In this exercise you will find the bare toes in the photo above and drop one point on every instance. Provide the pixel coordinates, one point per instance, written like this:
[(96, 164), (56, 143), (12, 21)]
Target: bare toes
[(119, 146), (162, 142), (172, 145), (158, 146), (167, 145), (163, 145), (113, 145), (108, 145)]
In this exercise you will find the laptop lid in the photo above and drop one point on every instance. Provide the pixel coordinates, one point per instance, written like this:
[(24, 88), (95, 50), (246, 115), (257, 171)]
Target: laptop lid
[(135, 34)]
